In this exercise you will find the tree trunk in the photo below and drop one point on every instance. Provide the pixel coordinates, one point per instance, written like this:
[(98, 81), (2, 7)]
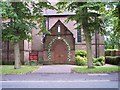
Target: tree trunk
[(87, 35), (17, 56), (88, 48)]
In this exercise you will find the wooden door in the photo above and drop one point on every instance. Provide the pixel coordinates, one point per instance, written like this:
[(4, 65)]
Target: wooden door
[(59, 52)]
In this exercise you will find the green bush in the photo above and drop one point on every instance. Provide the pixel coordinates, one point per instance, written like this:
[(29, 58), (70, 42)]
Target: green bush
[(101, 61), (81, 53), (32, 62), (80, 61), (110, 52), (115, 60), (27, 63), (98, 64), (40, 61)]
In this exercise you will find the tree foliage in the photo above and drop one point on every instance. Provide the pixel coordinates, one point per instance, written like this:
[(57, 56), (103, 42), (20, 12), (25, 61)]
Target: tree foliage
[(112, 25), (19, 18), (95, 22)]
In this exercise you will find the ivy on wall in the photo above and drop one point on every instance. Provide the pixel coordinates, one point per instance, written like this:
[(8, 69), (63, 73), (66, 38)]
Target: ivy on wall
[(50, 44)]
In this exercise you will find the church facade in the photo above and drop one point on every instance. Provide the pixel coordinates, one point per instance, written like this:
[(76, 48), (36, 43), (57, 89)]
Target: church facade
[(59, 46)]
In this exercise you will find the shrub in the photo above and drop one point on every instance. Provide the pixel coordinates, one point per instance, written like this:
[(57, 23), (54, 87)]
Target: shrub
[(81, 53), (27, 63), (40, 61), (80, 61), (110, 52), (101, 61), (32, 62), (115, 60), (98, 64)]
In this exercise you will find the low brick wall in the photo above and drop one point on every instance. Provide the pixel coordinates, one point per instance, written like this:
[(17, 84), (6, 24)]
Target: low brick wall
[(117, 53)]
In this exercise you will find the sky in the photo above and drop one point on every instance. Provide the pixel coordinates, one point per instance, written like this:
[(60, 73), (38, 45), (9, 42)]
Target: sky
[(53, 0)]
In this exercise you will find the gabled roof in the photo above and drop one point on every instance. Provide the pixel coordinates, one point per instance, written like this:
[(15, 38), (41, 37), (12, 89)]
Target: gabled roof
[(54, 26), (62, 24)]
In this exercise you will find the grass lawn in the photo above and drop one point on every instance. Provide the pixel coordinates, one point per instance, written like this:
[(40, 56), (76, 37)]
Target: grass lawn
[(97, 69), (9, 69)]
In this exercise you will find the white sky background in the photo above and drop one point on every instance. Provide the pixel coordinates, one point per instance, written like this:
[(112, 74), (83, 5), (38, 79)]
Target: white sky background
[(53, 1)]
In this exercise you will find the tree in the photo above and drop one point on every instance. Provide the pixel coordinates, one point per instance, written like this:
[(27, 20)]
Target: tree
[(21, 18), (88, 17), (112, 23), (117, 24)]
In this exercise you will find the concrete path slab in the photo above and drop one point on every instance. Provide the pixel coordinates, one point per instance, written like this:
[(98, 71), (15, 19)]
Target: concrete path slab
[(55, 69)]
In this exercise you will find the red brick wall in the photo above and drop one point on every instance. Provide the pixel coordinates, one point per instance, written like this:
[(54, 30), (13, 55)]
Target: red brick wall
[(117, 53), (10, 55)]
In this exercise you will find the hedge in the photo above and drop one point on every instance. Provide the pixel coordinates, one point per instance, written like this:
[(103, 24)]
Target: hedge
[(10, 62), (4, 62), (110, 52), (115, 60)]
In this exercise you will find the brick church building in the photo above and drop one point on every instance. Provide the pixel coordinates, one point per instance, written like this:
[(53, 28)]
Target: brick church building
[(58, 47)]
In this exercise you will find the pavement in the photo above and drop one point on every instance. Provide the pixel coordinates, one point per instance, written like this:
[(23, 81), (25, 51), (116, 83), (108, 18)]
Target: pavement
[(55, 69), (47, 69)]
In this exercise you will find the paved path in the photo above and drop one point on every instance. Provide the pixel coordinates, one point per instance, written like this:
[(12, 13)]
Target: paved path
[(48, 69), (108, 65), (55, 69)]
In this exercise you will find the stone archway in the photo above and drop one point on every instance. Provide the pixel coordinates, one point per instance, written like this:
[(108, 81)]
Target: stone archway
[(59, 55)]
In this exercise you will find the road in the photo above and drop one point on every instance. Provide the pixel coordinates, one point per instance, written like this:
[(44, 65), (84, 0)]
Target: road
[(60, 77), (60, 84), (71, 80)]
